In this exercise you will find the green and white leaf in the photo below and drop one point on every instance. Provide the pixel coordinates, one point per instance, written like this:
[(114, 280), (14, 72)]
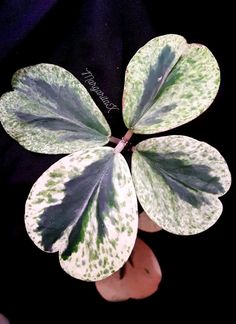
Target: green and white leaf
[(168, 83), (85, 207), (50, 111), (178, 181)]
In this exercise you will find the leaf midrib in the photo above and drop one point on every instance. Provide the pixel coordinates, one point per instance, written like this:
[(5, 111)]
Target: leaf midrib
[(60, 116), (95, 189), (158, 92), (165, 173)]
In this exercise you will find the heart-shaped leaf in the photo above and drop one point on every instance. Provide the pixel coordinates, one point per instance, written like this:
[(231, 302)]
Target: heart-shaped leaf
[(51, 112), (168, 83), (178, 181), (3, 319), (85, 207), (139, 278)]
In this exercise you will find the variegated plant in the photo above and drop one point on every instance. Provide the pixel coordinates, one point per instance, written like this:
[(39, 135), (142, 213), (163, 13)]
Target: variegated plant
[(85, 206)]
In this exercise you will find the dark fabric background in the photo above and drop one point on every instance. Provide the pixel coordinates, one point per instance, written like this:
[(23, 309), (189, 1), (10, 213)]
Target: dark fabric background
[(102, 36)]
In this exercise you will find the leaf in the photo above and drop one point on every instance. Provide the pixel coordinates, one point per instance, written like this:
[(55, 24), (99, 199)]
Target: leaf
[(3, 319), (168, 83), (140, 279), (51, 112), (146, 224), (178, 181), (85, 207)]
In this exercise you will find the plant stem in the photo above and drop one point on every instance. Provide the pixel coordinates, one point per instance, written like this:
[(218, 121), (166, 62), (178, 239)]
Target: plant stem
[(115, 140), (123, 142)]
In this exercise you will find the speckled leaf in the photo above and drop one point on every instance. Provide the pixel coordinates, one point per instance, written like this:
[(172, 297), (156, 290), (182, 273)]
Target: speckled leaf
[(178, 181), (168, 83), (85, 207), (51, 112)]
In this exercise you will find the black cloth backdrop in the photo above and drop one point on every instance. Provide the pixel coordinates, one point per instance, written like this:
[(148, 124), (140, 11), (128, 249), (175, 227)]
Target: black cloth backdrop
[(102, 36)]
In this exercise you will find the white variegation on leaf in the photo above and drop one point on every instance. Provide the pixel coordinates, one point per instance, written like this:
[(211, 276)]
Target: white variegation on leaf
[(85, 207), (168, 83), (51, 112), (178, 181)]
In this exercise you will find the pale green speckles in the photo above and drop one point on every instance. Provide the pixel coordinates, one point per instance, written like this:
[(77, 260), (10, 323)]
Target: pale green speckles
[(123, 204), (55, 174), (106, 271), (89, 261), (113, 243), (52, 183), (39, 139), (119, 176), (50, 199), (160, 203), (105, 261), (129, 194), (93, 255), (139, 67), (38, 201), (123, 228), (191, 86), (130, 231)]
